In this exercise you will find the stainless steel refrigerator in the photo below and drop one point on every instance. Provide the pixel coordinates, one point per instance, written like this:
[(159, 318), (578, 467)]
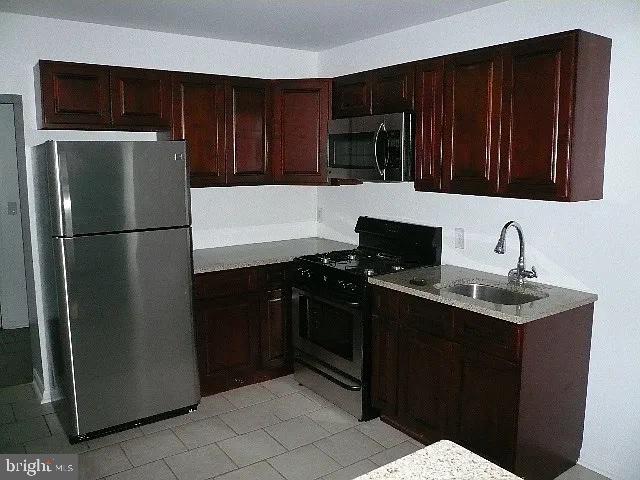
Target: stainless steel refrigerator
[(114, 222)]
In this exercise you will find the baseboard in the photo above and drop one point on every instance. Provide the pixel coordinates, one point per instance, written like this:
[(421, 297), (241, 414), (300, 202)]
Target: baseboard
[(38, 385)]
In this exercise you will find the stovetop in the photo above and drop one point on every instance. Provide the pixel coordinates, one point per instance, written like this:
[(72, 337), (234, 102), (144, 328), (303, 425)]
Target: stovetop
[(361, 262)]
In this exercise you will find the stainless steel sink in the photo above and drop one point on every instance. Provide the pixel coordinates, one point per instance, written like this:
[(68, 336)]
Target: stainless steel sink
[(499, 295)]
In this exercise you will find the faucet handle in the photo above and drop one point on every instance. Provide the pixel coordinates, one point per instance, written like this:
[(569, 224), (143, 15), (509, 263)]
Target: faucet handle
[(530, 273)]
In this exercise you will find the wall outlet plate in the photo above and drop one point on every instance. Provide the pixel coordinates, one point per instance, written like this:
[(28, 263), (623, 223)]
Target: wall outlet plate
[(459, 238)]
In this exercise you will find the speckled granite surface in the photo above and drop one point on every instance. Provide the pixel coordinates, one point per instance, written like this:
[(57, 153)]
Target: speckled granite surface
[(437, 279), (443, 460), (255, 254)]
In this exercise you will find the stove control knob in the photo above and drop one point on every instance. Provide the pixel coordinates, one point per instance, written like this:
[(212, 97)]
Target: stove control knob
[(346, 285), (304, 272)]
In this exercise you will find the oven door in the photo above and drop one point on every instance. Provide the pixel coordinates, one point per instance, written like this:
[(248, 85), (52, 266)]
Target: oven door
[(328, 331)]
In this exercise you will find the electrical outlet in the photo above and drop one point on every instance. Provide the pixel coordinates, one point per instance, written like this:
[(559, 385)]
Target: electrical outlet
[(459, 238), (320, 214)]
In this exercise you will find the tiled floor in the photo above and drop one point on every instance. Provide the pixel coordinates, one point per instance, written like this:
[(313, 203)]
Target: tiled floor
[(276, 430)]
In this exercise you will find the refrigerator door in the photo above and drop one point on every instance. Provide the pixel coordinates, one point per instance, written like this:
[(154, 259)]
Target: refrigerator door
[(126, 328), (99, 187)]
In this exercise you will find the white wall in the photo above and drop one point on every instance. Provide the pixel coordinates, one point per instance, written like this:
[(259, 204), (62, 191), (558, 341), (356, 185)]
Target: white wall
[(216, 213), (590, 245)]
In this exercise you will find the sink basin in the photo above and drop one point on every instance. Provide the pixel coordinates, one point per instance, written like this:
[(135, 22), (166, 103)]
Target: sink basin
[(488, 293)]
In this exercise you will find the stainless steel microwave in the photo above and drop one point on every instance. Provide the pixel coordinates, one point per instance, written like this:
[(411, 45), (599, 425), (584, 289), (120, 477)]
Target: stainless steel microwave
[(375, 148)]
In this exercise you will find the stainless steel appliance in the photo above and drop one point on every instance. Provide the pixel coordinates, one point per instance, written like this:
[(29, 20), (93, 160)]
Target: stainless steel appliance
[(115, 241), (330, 310), (375, 148)]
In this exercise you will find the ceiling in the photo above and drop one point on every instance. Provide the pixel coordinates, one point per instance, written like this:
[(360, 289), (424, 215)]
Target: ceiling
[(302, 24)]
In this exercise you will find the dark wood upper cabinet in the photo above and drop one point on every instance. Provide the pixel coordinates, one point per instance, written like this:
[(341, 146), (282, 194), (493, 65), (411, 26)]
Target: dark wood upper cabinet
[(554, 117), (471, 136), (140, 98), (73, 95), (392, 89), (300, 127), (352, 96), (248, 129), (198, 118), (428, 158)]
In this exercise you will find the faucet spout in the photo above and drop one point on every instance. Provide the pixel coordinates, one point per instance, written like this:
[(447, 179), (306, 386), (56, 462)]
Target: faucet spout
[(518, 274)]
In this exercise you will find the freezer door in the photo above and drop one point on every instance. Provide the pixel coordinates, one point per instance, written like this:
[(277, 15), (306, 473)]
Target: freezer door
[(126, 319), (99, 187)]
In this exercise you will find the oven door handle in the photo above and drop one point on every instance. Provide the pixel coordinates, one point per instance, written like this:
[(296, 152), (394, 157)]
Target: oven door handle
[(375, 149), (320, 299)]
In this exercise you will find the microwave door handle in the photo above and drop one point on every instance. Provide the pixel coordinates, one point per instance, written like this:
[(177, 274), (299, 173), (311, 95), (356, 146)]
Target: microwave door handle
[(375, 149)]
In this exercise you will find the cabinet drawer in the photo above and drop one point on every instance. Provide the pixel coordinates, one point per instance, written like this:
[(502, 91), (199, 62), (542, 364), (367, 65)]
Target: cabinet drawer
[(385, 302), (274, 275), (225, 283), (490, 335), (428, 317)]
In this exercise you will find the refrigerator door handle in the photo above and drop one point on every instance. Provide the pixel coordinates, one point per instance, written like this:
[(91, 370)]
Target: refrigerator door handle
[(63, 199)]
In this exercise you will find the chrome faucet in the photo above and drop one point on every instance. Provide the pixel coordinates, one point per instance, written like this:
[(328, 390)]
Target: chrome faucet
[(516, 275)]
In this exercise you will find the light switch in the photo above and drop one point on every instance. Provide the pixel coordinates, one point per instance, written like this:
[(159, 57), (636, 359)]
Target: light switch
[(12, 208)]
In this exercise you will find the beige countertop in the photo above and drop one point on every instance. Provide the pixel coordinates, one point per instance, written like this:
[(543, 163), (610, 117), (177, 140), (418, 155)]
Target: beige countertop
[(256, 254), (443, 460), (437, 279)]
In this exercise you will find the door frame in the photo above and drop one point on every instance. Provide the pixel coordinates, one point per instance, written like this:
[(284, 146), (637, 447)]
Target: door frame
[(16, 102)]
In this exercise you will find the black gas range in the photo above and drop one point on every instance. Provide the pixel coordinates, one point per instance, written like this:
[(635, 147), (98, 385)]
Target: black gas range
[(330, 311)]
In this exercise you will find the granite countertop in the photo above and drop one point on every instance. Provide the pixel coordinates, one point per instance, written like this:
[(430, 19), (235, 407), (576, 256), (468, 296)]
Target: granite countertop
[(437, 279), (443, 460), (255, 254)]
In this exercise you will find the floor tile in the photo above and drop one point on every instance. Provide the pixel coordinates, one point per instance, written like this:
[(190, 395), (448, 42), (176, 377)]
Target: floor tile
[(152, 447), (251, 448), (29, 409), (352, 471), (200, 464), (115, 438), (17, 393), (249, 395), (304, 463), (54, 424), (54, 444), (157, 470), (349, 447), (384, 434), (166, 424), (282, 385), (297, 432), (211, 406), (203, 432), (293, 405), (333, 419), (578, 472), (100, 463), (23, 431), (257, 471), (394, 453), (250, 418), (6, 413), (310, 394)]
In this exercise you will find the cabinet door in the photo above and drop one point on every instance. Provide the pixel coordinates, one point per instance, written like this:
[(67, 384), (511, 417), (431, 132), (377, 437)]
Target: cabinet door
[(140, 99), (384, 367), (488, 409), (429, 90), (428, 384), (352, 96), (301, 115), (273, 331), (74, 95), (537, 98), (392, 89), (472, 96), (198, 118), (247, 128), (227, 340)]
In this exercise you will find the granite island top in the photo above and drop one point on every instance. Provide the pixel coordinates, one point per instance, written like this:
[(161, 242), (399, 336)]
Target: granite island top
[(256, 254), (435, 281), (443, 460)]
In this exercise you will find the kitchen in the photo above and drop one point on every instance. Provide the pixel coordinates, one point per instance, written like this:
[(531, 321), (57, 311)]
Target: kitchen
[(566, 242)]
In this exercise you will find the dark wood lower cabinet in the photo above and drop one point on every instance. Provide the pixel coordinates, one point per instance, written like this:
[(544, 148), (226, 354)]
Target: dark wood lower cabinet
[(242, 327), (514, 394)]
